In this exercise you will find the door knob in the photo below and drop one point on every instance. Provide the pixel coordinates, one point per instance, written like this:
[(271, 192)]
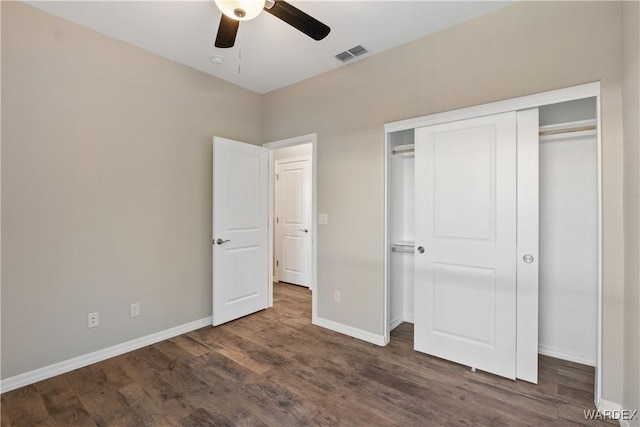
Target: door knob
[(420, 249), (528, 258), (221, 242), (306, 230)]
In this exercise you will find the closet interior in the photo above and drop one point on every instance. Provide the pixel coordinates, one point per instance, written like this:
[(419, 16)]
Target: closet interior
[(568, 230)]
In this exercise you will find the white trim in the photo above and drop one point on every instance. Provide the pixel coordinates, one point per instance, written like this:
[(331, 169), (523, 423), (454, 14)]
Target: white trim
[(609, 406), (396, 322), (290, 142), (522, 103), (386, 279), (409, 318), (560, 354), (68, 365), (598, 379), (351, 331), (273, 273)]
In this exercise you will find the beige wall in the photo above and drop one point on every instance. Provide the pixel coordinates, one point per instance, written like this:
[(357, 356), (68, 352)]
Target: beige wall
[(631, 117), (106, 187), (525, 48)]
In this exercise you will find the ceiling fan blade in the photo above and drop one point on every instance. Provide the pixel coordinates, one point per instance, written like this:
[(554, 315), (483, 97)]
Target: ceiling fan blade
[(299, 20), (227, 32)]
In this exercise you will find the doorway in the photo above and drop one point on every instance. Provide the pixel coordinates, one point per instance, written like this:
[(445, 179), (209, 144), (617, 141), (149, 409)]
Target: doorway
[(297, 156), (292, 225)]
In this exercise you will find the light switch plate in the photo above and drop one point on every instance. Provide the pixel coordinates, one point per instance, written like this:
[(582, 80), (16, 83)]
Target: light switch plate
[(323, 218)]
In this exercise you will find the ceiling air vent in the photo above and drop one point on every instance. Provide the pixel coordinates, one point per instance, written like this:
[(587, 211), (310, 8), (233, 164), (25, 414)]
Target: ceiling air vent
[(358, 50), (351, 53)]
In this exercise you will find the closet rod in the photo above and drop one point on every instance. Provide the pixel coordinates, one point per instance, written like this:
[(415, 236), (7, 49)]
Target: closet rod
[(403, 150), (569, 130), (407, 249)]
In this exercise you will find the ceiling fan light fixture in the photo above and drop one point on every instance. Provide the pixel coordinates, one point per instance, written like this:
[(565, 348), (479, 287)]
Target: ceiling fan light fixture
[(241, 10)]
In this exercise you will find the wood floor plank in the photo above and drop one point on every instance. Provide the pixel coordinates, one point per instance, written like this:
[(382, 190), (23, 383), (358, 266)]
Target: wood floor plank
[(63, 406), (24, 408), (275, 368), (149, 412)]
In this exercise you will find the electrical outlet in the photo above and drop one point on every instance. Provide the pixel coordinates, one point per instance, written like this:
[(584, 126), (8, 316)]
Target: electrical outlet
[(336, 296), (92, 320), (135, 309)]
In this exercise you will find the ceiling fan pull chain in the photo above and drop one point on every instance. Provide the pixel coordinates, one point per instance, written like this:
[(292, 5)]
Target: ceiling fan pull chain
[(239, 40)]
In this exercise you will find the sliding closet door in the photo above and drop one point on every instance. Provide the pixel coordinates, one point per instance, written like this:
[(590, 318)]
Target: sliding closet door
[(465, 235)]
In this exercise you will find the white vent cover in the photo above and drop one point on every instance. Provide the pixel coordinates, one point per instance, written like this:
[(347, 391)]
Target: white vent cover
[(351, 53)]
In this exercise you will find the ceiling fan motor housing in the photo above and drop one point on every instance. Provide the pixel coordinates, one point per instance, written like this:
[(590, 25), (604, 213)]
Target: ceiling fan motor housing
[(241, 10)]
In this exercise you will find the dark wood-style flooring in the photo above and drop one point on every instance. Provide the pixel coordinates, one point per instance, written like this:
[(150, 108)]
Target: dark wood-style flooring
[(275, 368)]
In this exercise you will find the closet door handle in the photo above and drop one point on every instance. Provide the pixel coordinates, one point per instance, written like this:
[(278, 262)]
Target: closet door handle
[(528, 258), (420, 249)]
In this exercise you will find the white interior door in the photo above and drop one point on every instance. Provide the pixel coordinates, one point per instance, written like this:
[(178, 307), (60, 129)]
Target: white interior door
[(293, 221), (240, 229), (465, 223)]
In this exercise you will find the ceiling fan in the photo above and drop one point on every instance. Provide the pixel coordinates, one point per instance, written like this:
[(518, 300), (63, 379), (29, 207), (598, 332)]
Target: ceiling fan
[(234, 11)]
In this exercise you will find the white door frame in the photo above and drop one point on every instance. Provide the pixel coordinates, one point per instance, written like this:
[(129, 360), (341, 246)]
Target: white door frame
[(290, 142), (588, 90)]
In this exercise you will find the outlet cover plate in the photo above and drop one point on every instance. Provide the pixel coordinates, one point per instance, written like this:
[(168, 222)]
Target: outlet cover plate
[(135, 309), (93, 320)]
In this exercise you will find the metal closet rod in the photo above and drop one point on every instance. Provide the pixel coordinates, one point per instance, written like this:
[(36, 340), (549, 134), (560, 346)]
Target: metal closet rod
[(403, 150), (568, 130)]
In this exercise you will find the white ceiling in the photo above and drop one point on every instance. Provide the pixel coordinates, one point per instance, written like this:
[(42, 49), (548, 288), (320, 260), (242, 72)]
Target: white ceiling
[(269, 54)]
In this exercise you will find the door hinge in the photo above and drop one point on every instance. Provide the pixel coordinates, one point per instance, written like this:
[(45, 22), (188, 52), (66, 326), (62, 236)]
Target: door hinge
[(277, 263), (277, 177), (277, 220)]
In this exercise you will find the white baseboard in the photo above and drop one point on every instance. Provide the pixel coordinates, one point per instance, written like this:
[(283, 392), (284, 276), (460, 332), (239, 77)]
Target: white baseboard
[(559, 354), (351, 331), (607, 406), (409, 318), (40, 374), (395, 323)]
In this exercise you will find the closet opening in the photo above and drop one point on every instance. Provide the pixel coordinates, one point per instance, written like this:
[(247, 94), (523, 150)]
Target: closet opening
[(569, 222), (568, 269)]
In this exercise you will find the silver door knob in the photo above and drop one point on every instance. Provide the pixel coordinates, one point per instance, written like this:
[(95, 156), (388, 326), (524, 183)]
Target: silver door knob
[(528, 258), (221, 242), (420, 249), (304, 230)]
